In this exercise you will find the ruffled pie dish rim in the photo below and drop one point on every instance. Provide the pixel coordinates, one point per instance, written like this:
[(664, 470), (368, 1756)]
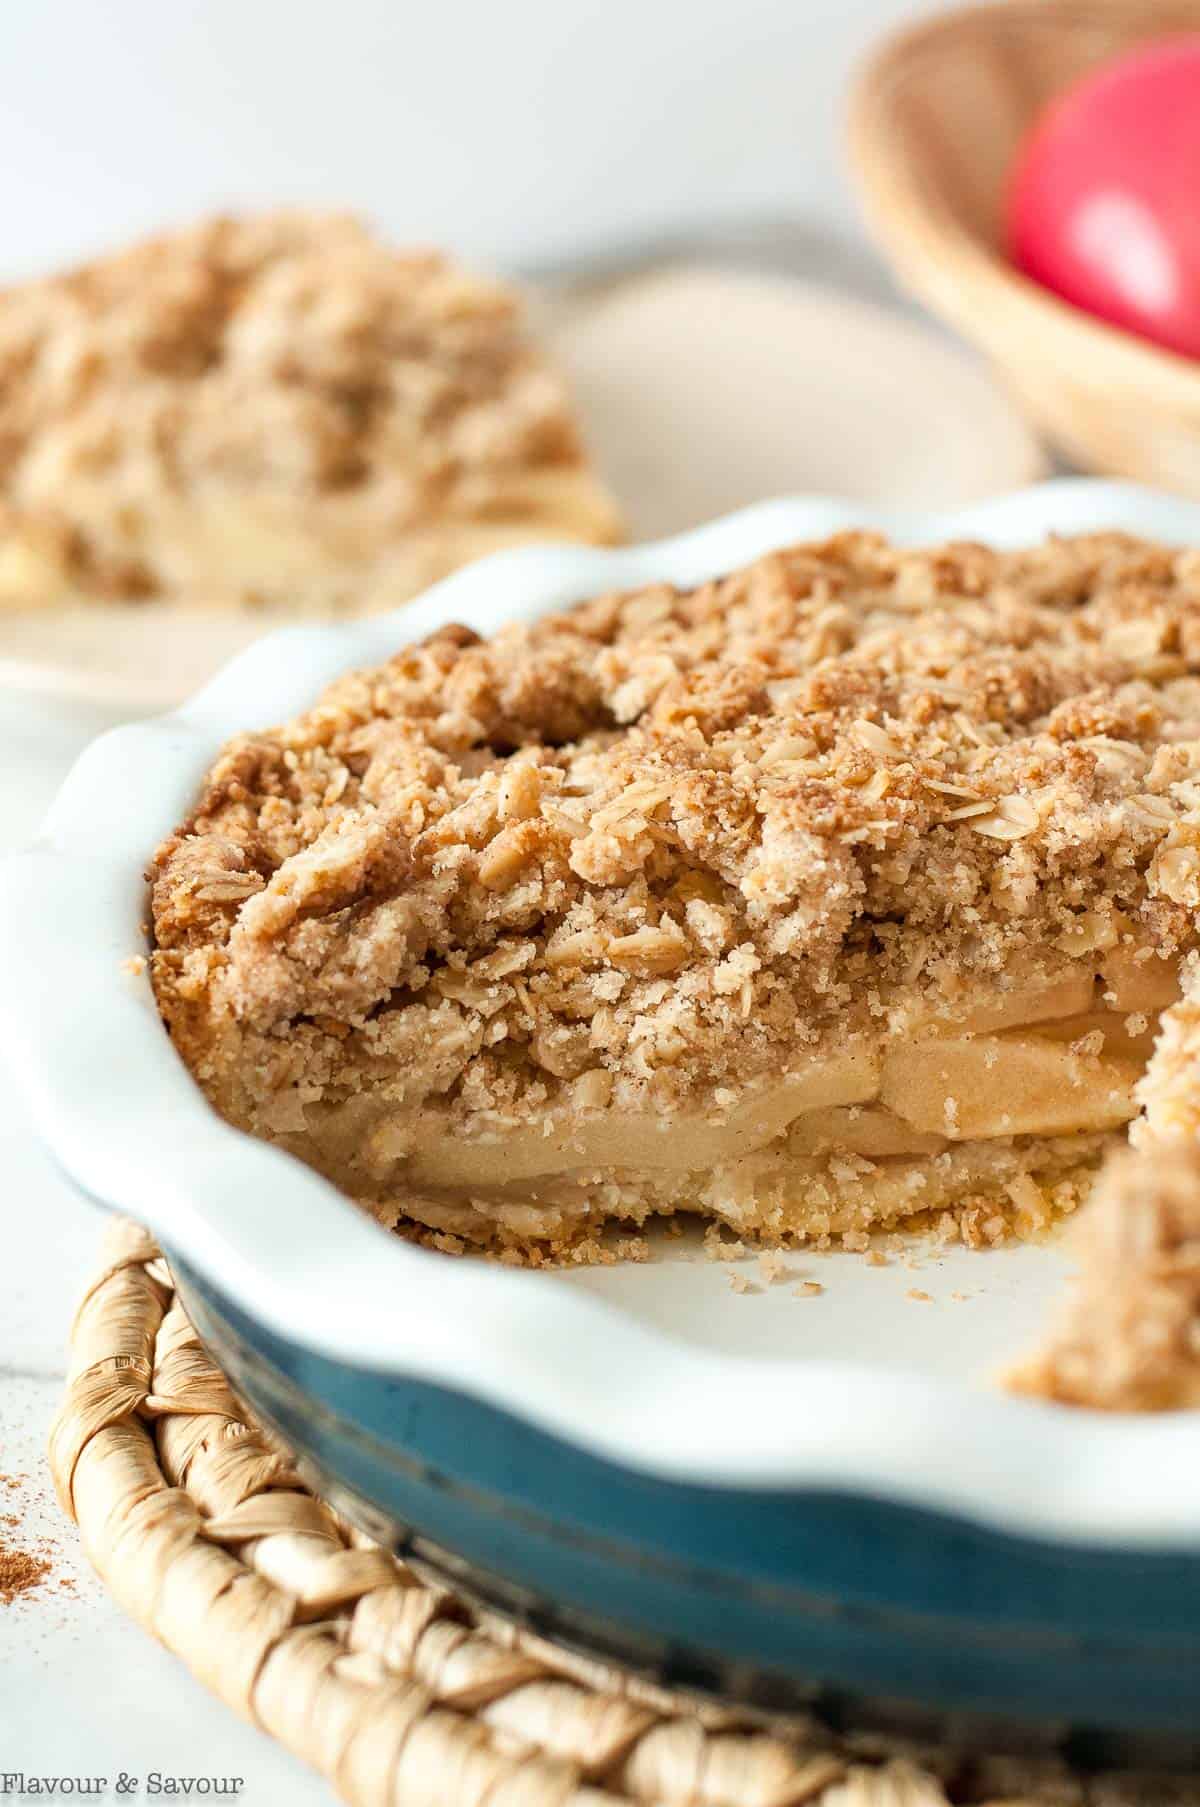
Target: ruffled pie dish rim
[(120, 1113)]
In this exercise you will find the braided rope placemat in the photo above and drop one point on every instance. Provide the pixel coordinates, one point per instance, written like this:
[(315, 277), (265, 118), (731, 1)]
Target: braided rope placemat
[(399, 1693)]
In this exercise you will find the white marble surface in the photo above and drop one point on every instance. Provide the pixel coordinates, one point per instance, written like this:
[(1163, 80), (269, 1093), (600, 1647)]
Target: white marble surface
[(83, 1690)]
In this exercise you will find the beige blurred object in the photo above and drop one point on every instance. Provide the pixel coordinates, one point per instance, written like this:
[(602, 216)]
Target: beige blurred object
[(275, 411), (261, 417), (936, 118), (704, 387)]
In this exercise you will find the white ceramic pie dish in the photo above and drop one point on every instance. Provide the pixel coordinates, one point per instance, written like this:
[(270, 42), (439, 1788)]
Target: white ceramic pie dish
[(121, 1115)]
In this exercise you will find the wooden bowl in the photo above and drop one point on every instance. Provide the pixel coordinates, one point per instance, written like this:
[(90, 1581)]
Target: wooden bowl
[(936, 118)]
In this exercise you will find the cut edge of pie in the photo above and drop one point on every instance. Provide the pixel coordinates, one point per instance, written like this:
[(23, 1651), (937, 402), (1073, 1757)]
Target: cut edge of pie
[(854, 889), (1127, 1336)]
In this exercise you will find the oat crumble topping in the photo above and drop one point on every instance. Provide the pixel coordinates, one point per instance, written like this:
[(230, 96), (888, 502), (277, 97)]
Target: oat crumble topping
[(635, 856)]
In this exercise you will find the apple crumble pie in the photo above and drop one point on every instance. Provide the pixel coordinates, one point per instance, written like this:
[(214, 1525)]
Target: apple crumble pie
[(277, 410), (843, 890)]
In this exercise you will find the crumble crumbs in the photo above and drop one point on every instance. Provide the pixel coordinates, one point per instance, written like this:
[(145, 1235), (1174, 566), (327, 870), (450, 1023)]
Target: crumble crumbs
[(583, 1250), (717, 1249)]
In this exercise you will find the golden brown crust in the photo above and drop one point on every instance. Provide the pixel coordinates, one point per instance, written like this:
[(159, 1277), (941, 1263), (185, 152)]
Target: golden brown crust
[(204, 391), (642, 853)]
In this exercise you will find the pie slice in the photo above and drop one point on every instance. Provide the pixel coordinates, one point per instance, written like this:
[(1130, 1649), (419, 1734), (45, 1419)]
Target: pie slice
[(1128, 1336), (276, 411), (846, 890)]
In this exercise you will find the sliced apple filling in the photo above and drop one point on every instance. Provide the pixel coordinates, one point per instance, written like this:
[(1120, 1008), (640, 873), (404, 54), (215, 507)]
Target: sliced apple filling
[(1042, 1076)]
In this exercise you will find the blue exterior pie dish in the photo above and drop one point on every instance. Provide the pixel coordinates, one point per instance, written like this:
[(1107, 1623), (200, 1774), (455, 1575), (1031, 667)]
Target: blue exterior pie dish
[(851, 1537), (859, 1610)]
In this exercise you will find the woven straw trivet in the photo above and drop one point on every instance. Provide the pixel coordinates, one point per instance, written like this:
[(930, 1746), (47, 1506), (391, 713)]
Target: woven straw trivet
[(392, 1688)]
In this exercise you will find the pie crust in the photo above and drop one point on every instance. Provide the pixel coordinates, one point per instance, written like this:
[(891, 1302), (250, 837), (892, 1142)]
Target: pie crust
[(846, 891), (276, 411)]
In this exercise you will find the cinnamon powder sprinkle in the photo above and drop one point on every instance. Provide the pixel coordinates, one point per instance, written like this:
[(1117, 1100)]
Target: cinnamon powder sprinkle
[(19, 1572)]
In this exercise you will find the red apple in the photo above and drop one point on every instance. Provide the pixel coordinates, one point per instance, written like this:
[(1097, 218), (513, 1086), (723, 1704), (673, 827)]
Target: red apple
[(1104, 207)]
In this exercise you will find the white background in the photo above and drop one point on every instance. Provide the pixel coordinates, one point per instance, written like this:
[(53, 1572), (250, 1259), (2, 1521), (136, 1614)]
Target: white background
[(510, 129)]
